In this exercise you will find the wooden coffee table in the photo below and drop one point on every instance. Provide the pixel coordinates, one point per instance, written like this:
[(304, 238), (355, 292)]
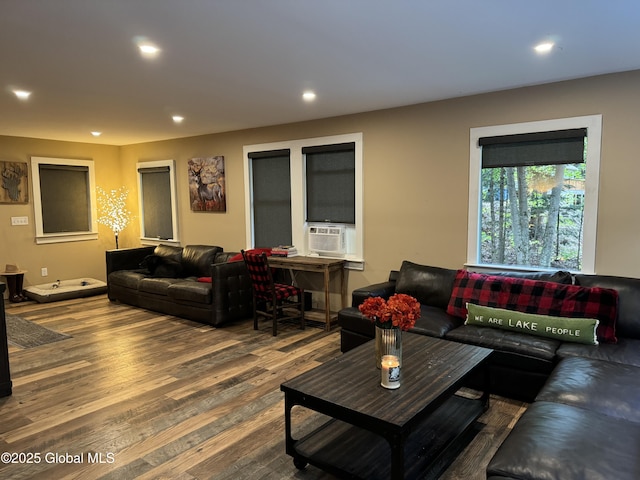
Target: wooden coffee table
[(378, 433)]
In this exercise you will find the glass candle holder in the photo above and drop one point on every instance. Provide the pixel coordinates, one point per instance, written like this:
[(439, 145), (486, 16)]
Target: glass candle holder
[(390, 372)]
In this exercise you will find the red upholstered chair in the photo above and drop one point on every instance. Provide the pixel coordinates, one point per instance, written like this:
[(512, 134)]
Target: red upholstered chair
[(272, 300)]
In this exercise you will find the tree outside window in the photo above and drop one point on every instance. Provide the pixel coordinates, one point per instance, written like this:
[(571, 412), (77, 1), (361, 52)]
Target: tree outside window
[(533, 216)]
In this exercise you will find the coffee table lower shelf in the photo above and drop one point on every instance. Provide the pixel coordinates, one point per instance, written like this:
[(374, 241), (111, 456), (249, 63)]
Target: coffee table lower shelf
[(348, 451)]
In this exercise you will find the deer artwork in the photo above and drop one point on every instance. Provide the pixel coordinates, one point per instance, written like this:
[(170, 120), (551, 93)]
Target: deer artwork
[(207, 184), (11, 180)]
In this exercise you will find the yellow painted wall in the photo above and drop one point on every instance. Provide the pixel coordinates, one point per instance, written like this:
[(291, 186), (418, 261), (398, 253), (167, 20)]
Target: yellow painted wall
[(415, 177), (63, 260)]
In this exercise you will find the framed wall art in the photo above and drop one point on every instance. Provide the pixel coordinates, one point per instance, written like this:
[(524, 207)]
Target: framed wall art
[(15, 185), (207, 185)]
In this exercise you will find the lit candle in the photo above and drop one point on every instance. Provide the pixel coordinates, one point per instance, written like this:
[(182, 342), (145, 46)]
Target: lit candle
[(390, 368)]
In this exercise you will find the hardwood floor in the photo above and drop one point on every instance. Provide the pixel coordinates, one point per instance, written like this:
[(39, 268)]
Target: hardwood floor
[(136, 394)]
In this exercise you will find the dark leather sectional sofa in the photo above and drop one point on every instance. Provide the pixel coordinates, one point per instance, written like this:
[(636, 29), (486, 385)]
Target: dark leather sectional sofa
[(584, 424), (584, 419), (208, 289)]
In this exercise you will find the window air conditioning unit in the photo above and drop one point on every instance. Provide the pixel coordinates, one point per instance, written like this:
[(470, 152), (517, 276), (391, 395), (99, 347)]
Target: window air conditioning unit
[(327, 240)]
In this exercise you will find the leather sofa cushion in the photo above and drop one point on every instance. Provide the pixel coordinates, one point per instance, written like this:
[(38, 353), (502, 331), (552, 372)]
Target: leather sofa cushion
[(383, 289), (552, 440), (628, 290), (157, 286), (508, 379), (626, 351), (506, 341), (523, 363), (190, 291), (609, 388), (197, 260), (126, 278), (222, 257), (352, 320), (433, 322), (559, 276), (175, 253), (429, 285)]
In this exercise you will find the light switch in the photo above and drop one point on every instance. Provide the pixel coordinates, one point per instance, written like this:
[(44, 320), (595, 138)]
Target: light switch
[(19, 220)]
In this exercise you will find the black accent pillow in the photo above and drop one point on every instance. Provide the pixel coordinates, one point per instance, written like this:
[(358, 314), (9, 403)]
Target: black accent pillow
[(162, 267)]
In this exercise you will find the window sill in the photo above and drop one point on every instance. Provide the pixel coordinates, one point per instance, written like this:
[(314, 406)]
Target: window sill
[(66, 237), (159, 241), (488, 268)]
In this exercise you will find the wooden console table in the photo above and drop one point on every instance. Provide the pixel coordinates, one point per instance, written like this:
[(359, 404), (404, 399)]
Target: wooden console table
[(326, 266)]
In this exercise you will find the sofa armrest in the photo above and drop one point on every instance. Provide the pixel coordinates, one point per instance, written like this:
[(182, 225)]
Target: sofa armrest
[(126, 258), (223, 257), (384, 290), (231, 290)]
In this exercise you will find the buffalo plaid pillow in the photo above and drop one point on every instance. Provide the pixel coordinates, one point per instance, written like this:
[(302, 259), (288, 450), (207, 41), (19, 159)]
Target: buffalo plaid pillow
[(534, 296)]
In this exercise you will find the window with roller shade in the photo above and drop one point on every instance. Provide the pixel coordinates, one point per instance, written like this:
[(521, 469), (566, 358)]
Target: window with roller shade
[(64, 199), (534, 194), (295, 185), (271, 187), (157, 198), (330, 187)]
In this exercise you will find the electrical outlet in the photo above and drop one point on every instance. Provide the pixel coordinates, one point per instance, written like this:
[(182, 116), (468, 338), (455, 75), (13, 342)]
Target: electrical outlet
[(44, 272)]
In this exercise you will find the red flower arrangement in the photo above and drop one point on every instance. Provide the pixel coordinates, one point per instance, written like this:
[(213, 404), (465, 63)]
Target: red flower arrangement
[(399, 311)]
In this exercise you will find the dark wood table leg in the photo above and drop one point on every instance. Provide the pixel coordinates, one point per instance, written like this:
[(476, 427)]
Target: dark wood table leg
[(397, 456), (290, 443)]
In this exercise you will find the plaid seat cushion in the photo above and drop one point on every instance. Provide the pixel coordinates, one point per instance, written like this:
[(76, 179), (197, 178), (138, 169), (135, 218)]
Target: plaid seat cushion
[(285, 291), (534, 296)]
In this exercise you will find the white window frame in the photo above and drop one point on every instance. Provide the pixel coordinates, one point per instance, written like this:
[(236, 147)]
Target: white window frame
[(41, 236), (354, 233), (593, 124), (175, 240)]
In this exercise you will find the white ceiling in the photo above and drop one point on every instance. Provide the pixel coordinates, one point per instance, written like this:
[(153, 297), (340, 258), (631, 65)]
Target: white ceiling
[(235, 64)]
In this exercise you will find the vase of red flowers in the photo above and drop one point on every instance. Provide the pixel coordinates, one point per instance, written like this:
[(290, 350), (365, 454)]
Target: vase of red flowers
[(391, 317)]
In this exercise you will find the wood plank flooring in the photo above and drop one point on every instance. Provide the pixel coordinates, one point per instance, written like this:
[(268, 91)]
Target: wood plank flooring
[(136, 394)]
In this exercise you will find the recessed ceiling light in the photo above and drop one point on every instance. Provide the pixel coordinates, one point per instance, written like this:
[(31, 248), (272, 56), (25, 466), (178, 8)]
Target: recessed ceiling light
[(309, 96), (178, 118), (544, 47), (147, 48), (22, 94), (96, 134)]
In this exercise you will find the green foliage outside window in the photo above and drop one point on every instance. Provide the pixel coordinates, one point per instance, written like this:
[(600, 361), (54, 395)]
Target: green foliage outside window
[(533, 215)]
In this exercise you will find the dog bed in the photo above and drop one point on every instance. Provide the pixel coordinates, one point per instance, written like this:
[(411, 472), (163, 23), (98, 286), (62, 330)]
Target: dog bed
[(65, 289)]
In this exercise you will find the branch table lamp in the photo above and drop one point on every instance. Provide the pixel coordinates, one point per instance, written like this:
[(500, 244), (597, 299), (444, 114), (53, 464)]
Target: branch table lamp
[(112, 209)]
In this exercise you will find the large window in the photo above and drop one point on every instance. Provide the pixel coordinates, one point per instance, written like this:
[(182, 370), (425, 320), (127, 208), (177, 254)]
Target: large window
[(534, 189), (64, 199), (157, 198), (293, 184)]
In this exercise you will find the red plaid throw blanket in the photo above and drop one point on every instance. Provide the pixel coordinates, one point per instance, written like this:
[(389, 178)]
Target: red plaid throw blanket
[(534, 296)]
